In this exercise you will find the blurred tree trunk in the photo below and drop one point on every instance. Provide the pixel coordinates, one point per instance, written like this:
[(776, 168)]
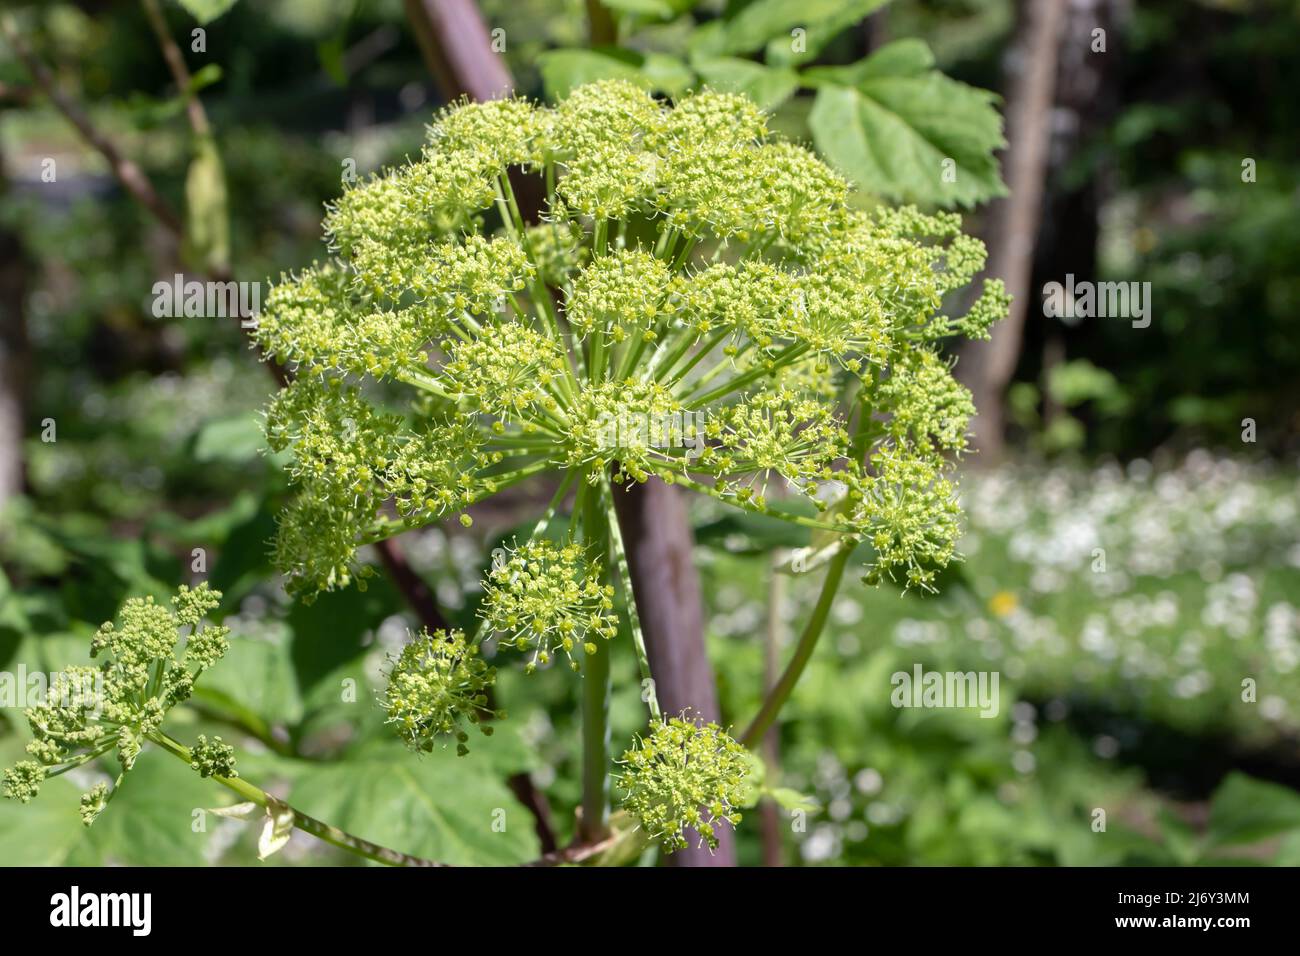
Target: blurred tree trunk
[(986, 367), (1087, 98), (457, 46)]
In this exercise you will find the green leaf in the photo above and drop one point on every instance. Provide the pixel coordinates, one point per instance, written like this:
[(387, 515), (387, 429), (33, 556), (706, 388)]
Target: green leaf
[(646, 9), (14, 625), (897, 136), (767, 86), (1079, 381), (439, 806), (150, 821), (243, 558), (45, 831), (329, 632), (789, 799), (257, 677), (205, 76), (207, 218), (205, 11), (215, 526), (330, 54), (1288, 854), (236, 439), (1244, 810), (1179, 839), (562, 70), (908, 57), (752, 26)]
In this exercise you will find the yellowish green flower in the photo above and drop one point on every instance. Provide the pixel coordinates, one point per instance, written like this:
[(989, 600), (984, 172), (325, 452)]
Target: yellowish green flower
[(150, 658), (685, 776)]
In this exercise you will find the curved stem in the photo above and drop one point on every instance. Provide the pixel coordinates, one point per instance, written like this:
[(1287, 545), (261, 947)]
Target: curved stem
[(625, 581), (812, 631), (308, 824)]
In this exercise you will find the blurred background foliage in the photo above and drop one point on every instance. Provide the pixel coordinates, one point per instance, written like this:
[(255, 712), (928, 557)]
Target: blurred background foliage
[(1131, 560)]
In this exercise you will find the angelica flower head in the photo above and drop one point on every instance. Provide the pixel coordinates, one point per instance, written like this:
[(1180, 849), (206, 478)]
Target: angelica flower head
[(687, 265), (438, 683), (149, 660), (545, 599), (685, 776)]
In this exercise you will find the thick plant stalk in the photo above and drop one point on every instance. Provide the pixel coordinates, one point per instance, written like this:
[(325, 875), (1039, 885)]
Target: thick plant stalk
[(457, 46), (595, 690), (652, 518)]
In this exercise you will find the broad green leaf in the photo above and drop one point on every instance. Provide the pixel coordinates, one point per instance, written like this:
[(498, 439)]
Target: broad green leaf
[(767, 86), (900, 137), (256, 677), (745, 532), (752, 26), (45, 831), (329, 632), (667, 74), (243, 559), (562, 70), (205, 11), (1288, 854), (439, 806), (151, 821), (1244, 810), (214, 526)]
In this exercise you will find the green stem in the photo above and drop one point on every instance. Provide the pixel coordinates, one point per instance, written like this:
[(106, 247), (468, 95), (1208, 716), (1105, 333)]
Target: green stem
[(782, 359), (770, 510), (633, 617), (595, 701), (700, 353), (780, 692), (503, 207), (308, 824)]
